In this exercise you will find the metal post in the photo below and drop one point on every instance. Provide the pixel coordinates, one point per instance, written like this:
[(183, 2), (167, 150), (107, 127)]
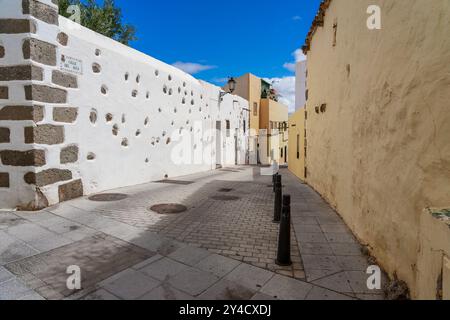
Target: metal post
[(278, 199), (274, 181), (284, 242)]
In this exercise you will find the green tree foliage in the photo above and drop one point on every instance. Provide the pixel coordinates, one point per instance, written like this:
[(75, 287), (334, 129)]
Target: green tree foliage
[(105, 19)]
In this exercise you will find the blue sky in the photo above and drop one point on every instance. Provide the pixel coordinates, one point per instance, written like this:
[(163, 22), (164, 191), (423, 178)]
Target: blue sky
[(223, 38)]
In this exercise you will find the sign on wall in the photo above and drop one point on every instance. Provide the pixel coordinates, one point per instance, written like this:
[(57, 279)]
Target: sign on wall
[(72, 65)]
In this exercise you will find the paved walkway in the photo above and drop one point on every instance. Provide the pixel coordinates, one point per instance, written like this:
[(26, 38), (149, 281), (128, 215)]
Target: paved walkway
[(220, 248)]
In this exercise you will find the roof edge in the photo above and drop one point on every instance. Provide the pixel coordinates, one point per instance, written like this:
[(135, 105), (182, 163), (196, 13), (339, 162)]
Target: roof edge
[(318, 22)]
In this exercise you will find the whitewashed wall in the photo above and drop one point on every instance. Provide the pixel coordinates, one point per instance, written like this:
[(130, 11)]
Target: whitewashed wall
[(137, 119), (156, 108)]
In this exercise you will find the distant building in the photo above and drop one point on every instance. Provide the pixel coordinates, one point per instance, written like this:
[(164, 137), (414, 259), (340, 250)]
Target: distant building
[(300, 84), (268, 120)]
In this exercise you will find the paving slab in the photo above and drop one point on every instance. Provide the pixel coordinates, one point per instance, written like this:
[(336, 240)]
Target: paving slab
[(98, 258), (285, 288), (12, 249), (13, 290), (166, 292), (8, 220), (338, 282), (262, 297), (5, 275), (250, 276), (189, 255), (101, 294), (321, 262), (227, 290), (193, 281), (218, 265), (164, 269), (131, 285), (315, 248), (321, 294)]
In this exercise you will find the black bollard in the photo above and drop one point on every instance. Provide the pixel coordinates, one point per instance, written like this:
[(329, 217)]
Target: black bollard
[(278, 200), (284, 242), (274, 181)]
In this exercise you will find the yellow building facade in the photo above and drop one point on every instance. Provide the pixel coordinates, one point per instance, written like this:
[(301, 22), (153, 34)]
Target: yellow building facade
[(378, 132), (297, 144), (274, 118)]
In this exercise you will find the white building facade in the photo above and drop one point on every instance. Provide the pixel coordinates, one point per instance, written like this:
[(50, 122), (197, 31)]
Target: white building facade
[(81, 113)]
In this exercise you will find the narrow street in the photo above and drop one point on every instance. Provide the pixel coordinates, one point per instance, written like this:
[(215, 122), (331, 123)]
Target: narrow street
[(222, 247)]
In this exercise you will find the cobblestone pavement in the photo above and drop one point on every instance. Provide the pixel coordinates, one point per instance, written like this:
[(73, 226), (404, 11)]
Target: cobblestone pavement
[(215, 250), (241, 229)]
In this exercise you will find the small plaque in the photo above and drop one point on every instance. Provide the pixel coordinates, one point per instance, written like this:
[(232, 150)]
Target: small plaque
[(70, 64)]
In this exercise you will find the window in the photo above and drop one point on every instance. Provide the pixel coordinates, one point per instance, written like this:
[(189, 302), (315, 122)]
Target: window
[(245, 127), (255, 109), (282, 154), (271, 125), (228, 127), (298, 146)]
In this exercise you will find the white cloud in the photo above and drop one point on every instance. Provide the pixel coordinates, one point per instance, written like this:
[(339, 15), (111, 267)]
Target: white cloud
[(191, 67), (299, 56), (296, 18), (285, 87), (289, 66), (220, 81)]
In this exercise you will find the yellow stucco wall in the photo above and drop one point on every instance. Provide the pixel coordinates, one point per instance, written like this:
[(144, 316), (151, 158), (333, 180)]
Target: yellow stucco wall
[(380, 153), (297, 143), (248, 87), (276, 112)]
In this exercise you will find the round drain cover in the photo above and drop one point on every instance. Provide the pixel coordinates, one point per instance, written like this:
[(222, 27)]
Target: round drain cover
[(225, 198), (169, 208), (108, 197)]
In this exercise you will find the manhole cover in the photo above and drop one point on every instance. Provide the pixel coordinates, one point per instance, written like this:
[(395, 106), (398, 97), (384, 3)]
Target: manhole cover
[(225, 190), (108, 197), (225, 198), (183, 183), (168, 208)]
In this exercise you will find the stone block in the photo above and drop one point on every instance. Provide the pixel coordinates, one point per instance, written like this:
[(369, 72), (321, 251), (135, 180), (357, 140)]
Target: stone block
[(4, 92), (71, 190), (65, 114), (22, 72), (44, 134), (48, 177), (4, 180), (63, 38), (45, 94), (5, 135), (15, 26), (69, 154), (21, 113), (31, 158), (39, 51), (40, 11), (64, 79)]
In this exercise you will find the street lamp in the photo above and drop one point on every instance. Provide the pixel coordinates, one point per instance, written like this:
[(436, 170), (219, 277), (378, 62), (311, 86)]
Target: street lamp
[(231, 88)]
